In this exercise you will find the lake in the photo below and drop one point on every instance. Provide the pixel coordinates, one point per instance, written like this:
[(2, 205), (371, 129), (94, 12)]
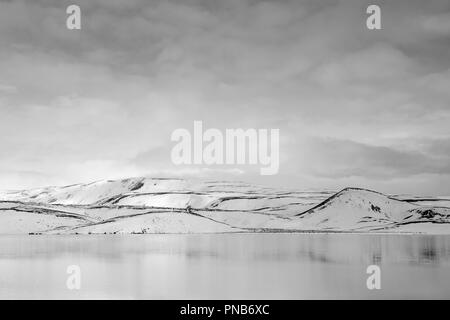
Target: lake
[(225, 266)]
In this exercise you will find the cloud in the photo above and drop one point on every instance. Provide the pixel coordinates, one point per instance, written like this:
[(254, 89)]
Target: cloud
[(439, 147), (344, 158), (380, 62), (8, 89), (438, 24), (107, 98)]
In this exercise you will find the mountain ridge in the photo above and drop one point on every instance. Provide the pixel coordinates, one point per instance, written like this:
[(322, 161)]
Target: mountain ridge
[(172, 205)]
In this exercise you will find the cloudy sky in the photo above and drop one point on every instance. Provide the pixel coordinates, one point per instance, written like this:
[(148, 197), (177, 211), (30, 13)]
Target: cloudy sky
[(355, 107)]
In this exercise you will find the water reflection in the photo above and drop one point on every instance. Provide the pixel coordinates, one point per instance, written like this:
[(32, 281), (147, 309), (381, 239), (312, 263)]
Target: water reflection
[(224, 266)]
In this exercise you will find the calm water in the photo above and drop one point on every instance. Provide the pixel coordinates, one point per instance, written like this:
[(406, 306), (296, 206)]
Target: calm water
[(225, 266)]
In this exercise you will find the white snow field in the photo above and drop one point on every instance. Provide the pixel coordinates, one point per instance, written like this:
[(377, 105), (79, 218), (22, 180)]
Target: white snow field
[(150, 205)]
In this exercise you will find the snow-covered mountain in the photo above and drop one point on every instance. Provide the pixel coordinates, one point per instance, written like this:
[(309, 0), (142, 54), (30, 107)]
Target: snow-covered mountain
[(149, 205)]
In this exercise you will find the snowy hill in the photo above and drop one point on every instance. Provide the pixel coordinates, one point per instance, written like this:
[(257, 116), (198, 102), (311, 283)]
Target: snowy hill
[(170, 193), (352, 207), (365, 210), (149, 205)]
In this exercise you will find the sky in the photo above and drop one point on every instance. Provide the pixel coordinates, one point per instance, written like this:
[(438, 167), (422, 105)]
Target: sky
[(355, 107)]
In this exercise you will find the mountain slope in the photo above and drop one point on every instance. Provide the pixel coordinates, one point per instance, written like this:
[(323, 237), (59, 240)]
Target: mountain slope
[(153, 222), (357, 207), (171, 193), (17, 218), (148, 205)]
